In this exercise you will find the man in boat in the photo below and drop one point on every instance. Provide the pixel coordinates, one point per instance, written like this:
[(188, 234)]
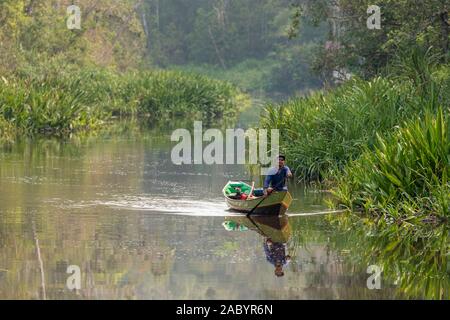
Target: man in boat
[(276, 179), (276, 255)]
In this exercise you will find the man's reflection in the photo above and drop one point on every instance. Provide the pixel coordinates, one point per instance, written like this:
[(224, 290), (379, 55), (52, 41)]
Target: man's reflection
[(276, 232), (276, 255)]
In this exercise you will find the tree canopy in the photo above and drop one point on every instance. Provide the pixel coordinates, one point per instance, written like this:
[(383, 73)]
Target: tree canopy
[(405, 24), (111, 33)]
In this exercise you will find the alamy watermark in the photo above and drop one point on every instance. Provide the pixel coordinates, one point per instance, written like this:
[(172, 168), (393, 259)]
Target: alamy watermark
[(374, 20), (74, 18), (74, 280), (191, 150), (374, 281)]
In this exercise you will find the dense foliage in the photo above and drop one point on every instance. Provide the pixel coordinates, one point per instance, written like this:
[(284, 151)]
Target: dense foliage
[(233, 39), (355, 47), (322, 132), (57, 80), (383, 143), (31, 31), (405, 176), (56, 102)]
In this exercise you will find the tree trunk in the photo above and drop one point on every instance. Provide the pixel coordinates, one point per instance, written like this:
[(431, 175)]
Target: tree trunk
[(445, 26), (157, 15), (219, 56)]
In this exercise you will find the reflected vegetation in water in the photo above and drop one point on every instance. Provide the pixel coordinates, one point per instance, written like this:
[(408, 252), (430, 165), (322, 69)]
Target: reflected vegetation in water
[(141, 228), (416, 261)]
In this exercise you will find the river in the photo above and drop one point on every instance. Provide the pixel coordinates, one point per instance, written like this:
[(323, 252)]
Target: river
[(137, 226)]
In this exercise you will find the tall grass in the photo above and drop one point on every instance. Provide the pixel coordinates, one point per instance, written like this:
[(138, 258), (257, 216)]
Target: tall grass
[(49, 102), (6, 131), (172, 93), (250, 75), (405, 177), (61, 99), (324, 131), (32, 107)]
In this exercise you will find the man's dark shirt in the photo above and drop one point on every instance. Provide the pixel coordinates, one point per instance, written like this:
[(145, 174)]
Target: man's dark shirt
[(276, 252), (277, 179)]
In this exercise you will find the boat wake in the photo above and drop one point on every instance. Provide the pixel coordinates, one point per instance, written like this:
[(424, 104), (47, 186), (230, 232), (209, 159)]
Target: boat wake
[(186, 206), (318, 213), (157, 205), (183, 206)]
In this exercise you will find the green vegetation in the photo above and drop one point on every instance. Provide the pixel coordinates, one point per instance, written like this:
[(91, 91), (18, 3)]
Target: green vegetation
[(169, 93), (404, 178), (322, 132), (380, 140), (6, 131), (367, 53), (413, 260), (241, 41), (384, 147), (58, 102), (288, 73), (56, 80), (251, 75), (383, 143), (33, 32)]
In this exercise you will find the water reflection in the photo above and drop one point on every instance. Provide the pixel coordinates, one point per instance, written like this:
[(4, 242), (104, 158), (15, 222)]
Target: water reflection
[(276, 232), (416, 260), (141, 228), (276, 255)]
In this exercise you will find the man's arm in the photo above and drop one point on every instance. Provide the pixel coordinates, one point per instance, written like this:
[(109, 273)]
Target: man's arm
[(268, 185), (288, 172), (267, 181)]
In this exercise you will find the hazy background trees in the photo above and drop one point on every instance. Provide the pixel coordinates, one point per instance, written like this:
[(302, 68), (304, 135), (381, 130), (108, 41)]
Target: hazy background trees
[(405, 25), (283, 46), (33, 31), (241, 40)]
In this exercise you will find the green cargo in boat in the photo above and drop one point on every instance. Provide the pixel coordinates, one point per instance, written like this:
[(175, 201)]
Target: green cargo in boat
[(275, 204)]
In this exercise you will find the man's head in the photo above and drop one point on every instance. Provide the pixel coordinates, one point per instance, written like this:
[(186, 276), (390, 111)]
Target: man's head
[(279, 270), (281, 161)]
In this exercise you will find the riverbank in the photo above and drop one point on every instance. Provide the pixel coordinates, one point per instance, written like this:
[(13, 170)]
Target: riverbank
[(58, 99), (381, 145)]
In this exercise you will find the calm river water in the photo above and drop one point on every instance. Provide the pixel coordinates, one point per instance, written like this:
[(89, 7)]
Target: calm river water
[(139, 227)]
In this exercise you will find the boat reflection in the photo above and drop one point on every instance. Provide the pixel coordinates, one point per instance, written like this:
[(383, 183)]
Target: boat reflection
[(276, 232)]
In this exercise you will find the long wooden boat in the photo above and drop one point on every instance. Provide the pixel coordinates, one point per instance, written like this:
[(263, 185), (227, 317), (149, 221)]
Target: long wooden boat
[(275, 204)]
